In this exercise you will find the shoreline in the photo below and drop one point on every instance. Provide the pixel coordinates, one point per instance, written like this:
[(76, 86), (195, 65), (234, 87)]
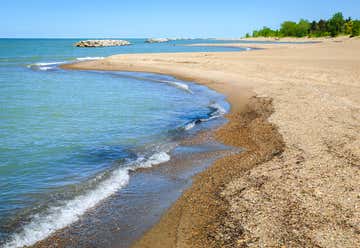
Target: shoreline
[(251, 113), (132, 210), (253, 46), (61, 236), (200, 212), (271, 180), (67, 236)]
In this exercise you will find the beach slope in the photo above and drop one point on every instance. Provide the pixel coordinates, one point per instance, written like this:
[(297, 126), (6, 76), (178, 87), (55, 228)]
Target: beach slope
[(296, 111)]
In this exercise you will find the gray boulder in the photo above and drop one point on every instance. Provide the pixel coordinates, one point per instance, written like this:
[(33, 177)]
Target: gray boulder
[(157, 40)]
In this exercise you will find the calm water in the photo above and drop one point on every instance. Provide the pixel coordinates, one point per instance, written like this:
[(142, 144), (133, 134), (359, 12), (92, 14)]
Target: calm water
[(68, 139)]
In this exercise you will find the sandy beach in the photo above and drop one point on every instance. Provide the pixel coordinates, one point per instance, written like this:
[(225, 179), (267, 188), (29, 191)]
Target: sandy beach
[(296, 111)]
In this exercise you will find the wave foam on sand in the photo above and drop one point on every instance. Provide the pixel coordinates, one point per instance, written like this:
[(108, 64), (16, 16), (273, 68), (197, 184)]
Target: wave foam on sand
[(218, 111), (68, 212), (45, 66)]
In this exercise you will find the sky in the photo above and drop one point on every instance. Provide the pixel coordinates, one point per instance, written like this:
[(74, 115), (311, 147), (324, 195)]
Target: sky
[(158, 18)]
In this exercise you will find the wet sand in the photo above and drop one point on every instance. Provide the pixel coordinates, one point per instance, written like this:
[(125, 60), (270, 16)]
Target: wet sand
[(124, 217), (296, 111)]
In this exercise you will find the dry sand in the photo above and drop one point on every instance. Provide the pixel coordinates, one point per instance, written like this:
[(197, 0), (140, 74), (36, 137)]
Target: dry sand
[(298, 182), (251, 45)]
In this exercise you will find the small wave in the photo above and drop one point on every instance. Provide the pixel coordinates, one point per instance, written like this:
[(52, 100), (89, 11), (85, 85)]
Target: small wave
[(48, 63), (41, 68), (89, 58), (45, 66), (155, 159), (217, 112), (66, 213), (189, 125), (218, 109), (192, 124), (179, 85)]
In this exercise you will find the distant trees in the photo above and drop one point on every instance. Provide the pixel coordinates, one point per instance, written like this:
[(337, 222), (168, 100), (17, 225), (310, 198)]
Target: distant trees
[(355, 30), (319, 29), (335, 26), (302, 28), (294, 29), (348, 26), (288, 28), (265, 32)]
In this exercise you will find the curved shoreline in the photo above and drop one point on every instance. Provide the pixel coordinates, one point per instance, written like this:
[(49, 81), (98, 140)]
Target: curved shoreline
[(200, 209), (273, 194), (218, 108), (199, 218)]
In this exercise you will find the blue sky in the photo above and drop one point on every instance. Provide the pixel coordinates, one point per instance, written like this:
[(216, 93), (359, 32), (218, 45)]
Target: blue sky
[(158, 18)]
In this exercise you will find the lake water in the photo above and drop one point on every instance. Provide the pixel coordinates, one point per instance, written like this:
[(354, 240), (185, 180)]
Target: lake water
[(69, 139)]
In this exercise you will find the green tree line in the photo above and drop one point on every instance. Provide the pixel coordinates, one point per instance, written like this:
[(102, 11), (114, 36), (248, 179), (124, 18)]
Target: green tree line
[(335, 26)]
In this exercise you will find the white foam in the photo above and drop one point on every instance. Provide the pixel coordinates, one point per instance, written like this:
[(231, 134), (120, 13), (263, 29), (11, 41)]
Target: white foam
[(46, 68), (190, 125), (89, 58), (179, 85), (155, 159), (57, 217), (48, 63), (219, 110), (182, 86)]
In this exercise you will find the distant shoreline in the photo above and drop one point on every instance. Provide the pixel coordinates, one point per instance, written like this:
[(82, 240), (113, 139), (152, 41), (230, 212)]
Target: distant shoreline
[(287, 39)]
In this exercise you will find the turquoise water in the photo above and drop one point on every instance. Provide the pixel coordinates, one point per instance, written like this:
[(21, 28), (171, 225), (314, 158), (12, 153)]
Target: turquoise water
[(68, 139)]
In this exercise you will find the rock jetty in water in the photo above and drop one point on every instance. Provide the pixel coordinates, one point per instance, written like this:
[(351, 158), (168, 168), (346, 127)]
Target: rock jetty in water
[(102, 43), (160, 40), (157, 40)]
